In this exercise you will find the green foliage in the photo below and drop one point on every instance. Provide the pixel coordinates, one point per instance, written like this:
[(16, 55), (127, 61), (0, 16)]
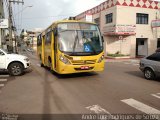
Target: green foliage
[(116, 55)]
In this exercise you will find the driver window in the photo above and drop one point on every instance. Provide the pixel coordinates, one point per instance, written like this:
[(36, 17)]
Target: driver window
[(1, 53)]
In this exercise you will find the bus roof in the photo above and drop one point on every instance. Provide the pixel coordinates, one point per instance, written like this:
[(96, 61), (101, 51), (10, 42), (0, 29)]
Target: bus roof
[(69, 21), (64, 21)]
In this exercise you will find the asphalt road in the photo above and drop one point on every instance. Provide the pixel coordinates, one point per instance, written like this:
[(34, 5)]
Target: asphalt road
[(121, 88)]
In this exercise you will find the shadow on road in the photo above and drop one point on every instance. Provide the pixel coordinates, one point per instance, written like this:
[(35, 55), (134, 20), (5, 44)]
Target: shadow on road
[(29, 70), (140, 75), (135, 73), (3, 73), (74, 75), (51, 99)]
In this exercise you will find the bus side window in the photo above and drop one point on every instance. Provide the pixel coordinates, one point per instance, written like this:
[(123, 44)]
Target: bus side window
[(55, 31)]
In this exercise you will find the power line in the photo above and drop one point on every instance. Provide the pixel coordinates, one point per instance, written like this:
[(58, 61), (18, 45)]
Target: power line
[(49, 17), (6, 7), (12, 24)]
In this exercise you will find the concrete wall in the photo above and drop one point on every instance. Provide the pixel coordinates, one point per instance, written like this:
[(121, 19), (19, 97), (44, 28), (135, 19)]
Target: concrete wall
[(103, 18), (142, 31), (127, 16), (123, 14)]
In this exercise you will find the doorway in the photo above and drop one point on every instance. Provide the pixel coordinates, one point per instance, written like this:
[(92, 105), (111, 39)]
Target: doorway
[(141, 47)]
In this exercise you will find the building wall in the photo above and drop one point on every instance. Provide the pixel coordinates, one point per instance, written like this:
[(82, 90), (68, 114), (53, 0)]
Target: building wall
[(124, 13), (142, 31), (104, 13), (114, 45)]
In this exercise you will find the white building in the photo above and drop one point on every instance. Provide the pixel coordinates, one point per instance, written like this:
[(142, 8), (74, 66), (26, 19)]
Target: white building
[(129, 26)]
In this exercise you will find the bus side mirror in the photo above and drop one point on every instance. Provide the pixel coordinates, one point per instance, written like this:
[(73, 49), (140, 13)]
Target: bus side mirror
[(102, 38)]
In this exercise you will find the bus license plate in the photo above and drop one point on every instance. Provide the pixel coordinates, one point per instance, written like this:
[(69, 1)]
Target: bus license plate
[(84, 67)]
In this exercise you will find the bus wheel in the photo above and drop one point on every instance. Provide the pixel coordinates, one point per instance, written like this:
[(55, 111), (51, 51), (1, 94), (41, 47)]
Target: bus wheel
[(42, 65)]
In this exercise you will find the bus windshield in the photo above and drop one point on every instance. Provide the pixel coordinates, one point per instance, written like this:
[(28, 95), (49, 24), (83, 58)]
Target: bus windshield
[(79, 39)]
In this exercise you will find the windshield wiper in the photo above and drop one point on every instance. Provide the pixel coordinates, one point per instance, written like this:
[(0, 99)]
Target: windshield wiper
[(79, 53)]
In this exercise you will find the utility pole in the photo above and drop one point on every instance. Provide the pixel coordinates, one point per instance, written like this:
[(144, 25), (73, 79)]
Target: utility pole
[(11, 22), (10, 28)]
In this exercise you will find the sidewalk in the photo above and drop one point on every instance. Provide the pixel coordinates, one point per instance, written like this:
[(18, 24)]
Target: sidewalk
[(133, 60)]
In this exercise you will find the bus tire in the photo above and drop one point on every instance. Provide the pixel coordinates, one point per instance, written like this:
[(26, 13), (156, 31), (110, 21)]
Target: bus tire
[(41, 64), (49, 63)]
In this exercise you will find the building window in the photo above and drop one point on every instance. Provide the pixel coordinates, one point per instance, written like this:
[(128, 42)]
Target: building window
[(97, 21), (109, 18), (142, 42), (142, 18)]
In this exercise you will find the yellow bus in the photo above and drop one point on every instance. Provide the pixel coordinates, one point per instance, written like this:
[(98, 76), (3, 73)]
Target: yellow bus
[(71, 46)]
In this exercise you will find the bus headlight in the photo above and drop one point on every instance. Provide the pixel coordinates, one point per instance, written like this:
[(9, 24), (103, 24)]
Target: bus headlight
[(101, 59), (64, 60)]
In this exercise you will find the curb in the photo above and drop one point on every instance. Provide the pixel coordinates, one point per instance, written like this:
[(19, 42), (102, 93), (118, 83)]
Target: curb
[(121, 58)]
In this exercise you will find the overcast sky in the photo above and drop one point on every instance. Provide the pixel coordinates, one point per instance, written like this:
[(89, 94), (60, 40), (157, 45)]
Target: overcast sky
[(44, 12)]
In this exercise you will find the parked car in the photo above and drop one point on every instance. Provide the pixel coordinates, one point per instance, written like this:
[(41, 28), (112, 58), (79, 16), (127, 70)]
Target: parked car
[(150, 66), (158, 50), (14, 63)]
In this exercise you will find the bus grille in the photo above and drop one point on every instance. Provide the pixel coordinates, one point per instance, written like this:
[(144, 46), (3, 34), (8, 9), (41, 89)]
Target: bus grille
[(83, 62)]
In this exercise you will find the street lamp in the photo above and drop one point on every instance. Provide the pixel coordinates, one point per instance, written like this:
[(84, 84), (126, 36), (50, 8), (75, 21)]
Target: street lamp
[(24, 9), (21, 20)]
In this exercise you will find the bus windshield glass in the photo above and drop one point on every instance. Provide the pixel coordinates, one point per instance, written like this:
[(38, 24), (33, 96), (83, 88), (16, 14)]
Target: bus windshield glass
[(79, 38)]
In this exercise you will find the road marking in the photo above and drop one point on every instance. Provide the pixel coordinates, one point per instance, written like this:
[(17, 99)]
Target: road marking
[(3, 80), (38, 65), (4, 75), (140, 106), (156, 95), (97, 109), (1, 85)]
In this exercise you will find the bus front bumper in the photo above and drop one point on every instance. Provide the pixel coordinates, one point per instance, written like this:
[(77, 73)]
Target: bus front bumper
[(68, 69)]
